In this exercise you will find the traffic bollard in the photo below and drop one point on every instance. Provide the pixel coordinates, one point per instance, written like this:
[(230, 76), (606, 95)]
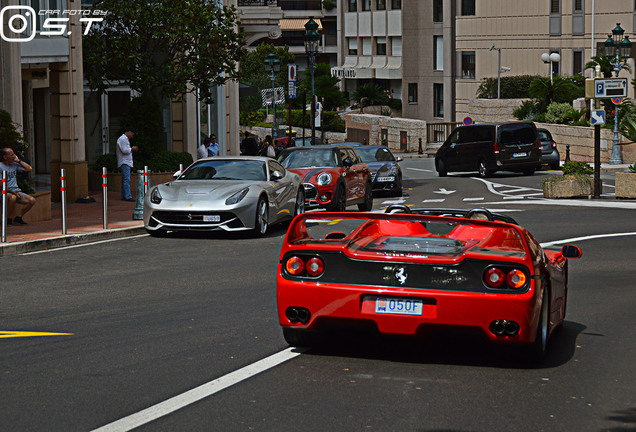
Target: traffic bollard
[(4, 206), (419, 148), (145, 180), (138, 213), (63, 190), (567, 153), (105, 196)]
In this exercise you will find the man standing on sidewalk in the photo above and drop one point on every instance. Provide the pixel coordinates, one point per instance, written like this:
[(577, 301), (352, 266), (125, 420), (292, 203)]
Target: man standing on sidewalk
[(10, 163), (124, 153)]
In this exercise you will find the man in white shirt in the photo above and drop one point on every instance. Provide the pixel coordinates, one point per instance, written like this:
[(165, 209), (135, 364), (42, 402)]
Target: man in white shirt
[(124, 153), (202, 150)]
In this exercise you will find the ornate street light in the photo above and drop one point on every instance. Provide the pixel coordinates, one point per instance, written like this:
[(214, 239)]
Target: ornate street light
[(312, 40), (272, 65), (620, 47), (551, 58)]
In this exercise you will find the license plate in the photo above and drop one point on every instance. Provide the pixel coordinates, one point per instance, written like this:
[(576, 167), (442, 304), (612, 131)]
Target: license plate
[(399, 306), (522, 154), (211, 218)]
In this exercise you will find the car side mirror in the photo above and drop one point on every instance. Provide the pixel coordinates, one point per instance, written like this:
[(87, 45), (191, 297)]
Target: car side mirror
[(348, 163), (277, 175), (177, 174), (399, 159), (571, 251)]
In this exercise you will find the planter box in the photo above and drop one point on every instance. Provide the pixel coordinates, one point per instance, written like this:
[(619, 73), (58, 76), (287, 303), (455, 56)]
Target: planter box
[(114, 180), (41, 211), (567, 188), (625, 185)]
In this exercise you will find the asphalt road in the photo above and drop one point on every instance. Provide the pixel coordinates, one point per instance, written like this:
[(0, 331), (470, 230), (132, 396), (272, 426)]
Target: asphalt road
[(152, 319)]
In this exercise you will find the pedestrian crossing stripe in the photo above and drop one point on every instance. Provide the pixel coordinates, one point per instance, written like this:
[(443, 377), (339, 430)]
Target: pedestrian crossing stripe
[(14, 334)]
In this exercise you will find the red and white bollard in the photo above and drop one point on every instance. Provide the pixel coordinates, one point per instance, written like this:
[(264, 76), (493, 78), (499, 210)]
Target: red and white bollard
[(4, 206), (105, 196), (63, 190)]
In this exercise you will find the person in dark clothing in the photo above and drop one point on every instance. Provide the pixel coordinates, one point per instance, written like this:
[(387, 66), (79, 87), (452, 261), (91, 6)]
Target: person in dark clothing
[(249, 146)]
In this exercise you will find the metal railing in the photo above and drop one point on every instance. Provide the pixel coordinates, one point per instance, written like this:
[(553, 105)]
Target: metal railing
[(438, 132), (242, 3)]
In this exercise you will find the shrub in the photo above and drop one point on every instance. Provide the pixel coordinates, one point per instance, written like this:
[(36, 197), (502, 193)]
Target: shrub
[(557, 112), (251, 118), (577, 168), (528, 111), (395, 104), (512, 87)]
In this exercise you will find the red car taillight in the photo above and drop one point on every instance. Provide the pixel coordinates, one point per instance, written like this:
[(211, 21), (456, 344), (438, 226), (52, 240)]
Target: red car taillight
[(494, 278), (297, 266), (553, 145), (507, 278), (495, 147), (315, 267)]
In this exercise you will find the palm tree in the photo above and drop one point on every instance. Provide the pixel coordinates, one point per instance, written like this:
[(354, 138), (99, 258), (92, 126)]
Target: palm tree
[(370, 94)]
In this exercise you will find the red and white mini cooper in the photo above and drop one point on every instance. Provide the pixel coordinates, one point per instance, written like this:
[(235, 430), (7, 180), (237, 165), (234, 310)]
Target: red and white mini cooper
[(334, 177)]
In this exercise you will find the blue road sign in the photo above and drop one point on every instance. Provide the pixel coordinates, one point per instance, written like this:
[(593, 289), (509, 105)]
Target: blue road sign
[(597, 117)]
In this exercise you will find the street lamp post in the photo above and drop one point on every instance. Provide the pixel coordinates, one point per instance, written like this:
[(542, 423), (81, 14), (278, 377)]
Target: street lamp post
[(272, 65), (498, 69), (551, 58), (618, 46), (312, 39)]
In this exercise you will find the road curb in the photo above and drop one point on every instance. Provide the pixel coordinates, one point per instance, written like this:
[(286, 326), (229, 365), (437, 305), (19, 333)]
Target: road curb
[(8, 249)]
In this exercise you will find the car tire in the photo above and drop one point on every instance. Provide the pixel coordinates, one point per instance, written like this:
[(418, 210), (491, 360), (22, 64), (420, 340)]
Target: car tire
[(156, 233), (539, 347), (367, 205), (299, 206), (441, 168), (261, 220), (484, 172), (339, 204), (555, 166), (529, 171), (299, 337)]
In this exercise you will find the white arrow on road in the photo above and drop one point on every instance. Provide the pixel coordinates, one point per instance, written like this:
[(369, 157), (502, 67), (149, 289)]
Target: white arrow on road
[(444, 191)]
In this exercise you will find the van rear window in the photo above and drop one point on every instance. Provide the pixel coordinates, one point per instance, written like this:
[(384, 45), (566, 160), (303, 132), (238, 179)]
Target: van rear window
[(470, 134), (517, 134)]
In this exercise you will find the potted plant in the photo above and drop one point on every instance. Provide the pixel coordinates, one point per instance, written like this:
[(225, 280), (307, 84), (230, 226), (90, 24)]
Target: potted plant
[(626, 183), (574, 182)]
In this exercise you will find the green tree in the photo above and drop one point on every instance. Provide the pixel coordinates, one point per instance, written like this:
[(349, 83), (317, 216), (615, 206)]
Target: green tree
[(163, 48), (604, 62), (370, 94), (9, 134), (325, 87), (560, 89)]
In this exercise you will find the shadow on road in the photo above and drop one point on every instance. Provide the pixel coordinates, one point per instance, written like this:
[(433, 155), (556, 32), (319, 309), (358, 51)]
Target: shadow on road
[(446, 347)]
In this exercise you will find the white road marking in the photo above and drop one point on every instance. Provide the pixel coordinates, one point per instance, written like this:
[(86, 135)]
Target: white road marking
[(474, 199), (395, 201), (84, 244), (196, 394), (590, 237), (419, 169), (444, 191), (434, 200)]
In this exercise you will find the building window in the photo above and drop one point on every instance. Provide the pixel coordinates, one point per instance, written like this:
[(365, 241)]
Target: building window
[(353, 46), (396, 4), (438, 100), (577, 62), (366, 5), (412, 92), (438, 52), (468, 64), (555, 18), (396, 46), (380, 4), (353, 5), (438, 10), (468, 7), (380, 46), (578, 18), (366, 46)]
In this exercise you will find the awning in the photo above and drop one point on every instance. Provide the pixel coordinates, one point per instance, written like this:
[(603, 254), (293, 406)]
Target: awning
[(248, 90), (364, 62), (394, 63), (379, 62), (350, 62), (296, 24)]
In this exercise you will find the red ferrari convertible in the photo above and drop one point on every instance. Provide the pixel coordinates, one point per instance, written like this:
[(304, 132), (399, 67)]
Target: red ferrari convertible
[(408, 272)]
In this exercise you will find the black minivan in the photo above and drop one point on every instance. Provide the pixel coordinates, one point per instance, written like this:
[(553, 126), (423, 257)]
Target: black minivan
[(490, 147)]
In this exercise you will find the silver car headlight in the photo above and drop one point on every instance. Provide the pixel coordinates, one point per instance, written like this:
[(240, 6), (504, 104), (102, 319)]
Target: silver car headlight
[(237, 197), (155, 196), (323, 179)]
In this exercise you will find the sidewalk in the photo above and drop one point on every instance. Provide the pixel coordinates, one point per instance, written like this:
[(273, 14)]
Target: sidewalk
[(84, 223)]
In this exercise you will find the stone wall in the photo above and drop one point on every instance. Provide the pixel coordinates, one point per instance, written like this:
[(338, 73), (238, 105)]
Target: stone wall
[(581, 141), (414, 129), (492, 110)]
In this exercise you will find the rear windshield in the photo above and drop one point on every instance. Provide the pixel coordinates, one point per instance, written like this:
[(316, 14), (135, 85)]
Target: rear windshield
[(469, 134), (517, 134), (544, 135)]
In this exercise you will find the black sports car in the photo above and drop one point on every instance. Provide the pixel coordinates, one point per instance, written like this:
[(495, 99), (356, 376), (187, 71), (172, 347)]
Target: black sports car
[(385, 169)]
